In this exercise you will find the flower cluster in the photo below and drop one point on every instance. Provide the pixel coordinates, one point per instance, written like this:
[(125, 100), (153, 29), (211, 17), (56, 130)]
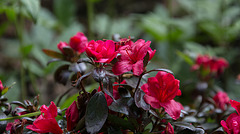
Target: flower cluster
[(126, 100), (210, 65)]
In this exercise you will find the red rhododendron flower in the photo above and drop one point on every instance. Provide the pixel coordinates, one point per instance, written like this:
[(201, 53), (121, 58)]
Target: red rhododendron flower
[(101, 51), (78, 42), (46, 122), (221, 99), (132, 56), (211, 64), (72, 116), (168, 130), (232, 124), (160, 92), (1, 86), (115, 93), (61, 45)]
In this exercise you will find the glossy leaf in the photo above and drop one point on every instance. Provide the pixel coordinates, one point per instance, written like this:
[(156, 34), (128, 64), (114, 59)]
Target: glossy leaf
[(18, 103), (62, 74), (53, 54), (134, 80), (121, 105), (139, 100), (68, 51), (119, 122), (96, 113), (3, 124), (108, 87), (161, 69), (78, 67)]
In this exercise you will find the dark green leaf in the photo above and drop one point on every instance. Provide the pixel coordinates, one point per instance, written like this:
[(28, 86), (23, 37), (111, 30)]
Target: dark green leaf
[(184, 125), (53, 54), (62, 74), (134, 80), (18, 103), (96, 113), (161, 69), (78, 67), (3, 124), (218, 131), (123, 92), (139, 100), (119, 122), (68, 51), (108, 87), (121, 105)]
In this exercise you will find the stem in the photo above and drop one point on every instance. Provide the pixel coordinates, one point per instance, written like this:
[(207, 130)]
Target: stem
[(21, 116), (33, 81), (19, 28), (100, 83), (90, 13), (60, 98), (83, 89), (139, 80)]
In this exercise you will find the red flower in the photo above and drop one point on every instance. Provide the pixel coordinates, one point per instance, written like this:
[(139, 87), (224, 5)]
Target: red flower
[(131, 57), (168, 130), (61, 45), (101, 51), (232, 124), (212, 64), (221, 99), (160, 92), (72, 116), (78, 42), (1, 86), (47, 122)]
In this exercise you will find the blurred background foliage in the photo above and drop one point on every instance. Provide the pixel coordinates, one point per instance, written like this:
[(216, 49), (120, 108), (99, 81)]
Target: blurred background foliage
[(179, 31)]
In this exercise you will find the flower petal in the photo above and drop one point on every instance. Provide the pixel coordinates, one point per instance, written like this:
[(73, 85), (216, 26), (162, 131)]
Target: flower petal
[(235, 105), (172, 108), (121, 67), (138, 68), (152, 101), (225, 126)]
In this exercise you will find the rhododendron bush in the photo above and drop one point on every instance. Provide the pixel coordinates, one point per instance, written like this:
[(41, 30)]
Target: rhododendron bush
[(129, 97)]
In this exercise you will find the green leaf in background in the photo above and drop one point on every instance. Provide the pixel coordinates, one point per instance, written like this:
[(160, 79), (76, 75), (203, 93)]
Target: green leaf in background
[(65, 11), (11, 14), (25, 50), (185, 57), (69, 101), (32, 7), (96, 113)]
